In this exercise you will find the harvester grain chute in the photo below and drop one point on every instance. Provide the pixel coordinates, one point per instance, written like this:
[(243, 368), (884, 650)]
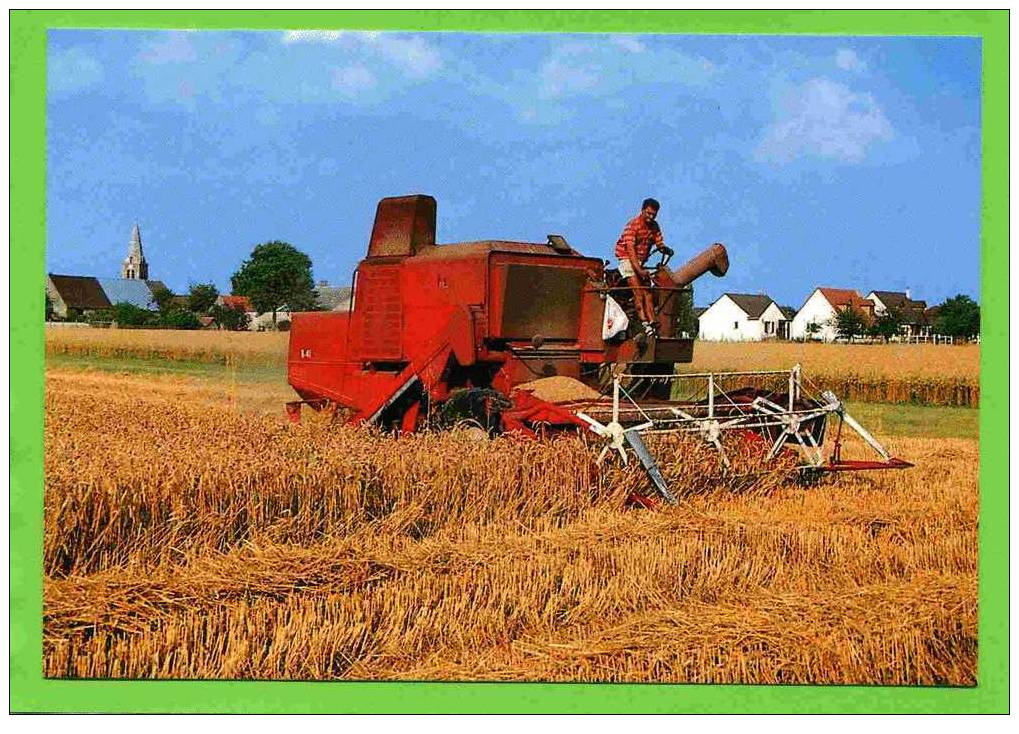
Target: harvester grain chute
[(438, 333)]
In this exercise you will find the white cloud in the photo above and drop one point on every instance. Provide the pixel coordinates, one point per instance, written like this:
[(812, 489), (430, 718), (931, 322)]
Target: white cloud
[(600, 69), (72, 70), (413, 55), (313, 36), (825, 119), (174, 48), (353, 79), (846, 58), (628, 43), (560, 78)]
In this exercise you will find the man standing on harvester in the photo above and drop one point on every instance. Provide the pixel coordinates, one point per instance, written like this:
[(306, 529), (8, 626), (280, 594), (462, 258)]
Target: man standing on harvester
[(632, 250)]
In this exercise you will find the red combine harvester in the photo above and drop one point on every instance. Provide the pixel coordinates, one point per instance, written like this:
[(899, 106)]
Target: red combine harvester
[(438, 334)]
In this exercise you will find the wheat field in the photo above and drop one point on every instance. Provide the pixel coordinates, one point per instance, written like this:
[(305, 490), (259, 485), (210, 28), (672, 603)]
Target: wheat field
[(922, 374), (187, 538)]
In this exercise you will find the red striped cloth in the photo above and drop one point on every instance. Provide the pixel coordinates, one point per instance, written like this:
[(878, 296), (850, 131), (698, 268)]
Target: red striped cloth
[(642, 234)]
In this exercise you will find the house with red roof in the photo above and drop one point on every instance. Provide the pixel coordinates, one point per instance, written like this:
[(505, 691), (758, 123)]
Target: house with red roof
[(816, 317), (256, 321)]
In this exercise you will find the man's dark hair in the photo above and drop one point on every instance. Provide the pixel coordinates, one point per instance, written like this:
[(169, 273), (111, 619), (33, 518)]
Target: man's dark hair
[(653, 203)]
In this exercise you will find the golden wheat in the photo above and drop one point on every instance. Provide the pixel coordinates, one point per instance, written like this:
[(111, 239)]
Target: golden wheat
[(216, 347), (186, 540)]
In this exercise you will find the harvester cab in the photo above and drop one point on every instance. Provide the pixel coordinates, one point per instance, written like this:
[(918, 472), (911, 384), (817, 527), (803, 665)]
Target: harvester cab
[(439, 333)]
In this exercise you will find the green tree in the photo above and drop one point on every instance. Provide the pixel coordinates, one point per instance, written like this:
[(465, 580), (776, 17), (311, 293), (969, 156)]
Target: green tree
[(49, 307), (849, 323), (231, 319), (958, 316), (163, 297), (812, 328), (202, 297), (685, 320), (127, 314), (886, 325), (178, 318), (277, 274), (99, 317)]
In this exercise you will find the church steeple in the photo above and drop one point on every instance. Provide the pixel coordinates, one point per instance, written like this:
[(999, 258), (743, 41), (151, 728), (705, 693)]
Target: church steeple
[(134, 266)]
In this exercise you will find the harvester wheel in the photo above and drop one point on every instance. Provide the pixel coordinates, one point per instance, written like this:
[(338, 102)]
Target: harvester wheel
[(481, 407), (472, 430)]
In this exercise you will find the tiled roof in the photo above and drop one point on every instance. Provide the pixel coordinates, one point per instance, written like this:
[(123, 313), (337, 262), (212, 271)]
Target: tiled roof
[(910, 311), (80, 292), (846, 297), (891, 299), (128, 290), (753, 305), (333, 297), (239, 302)]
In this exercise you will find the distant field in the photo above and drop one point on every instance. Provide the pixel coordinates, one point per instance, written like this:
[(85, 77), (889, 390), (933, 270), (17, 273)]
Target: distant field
[(226, 347), (884, 360), (215, 347), (921, 374)]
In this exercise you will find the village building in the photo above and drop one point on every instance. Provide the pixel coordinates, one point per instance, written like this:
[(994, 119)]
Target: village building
[(140, 293), (333, 297), (72, 296), (256, 321), (816, 318), (742, 317), (134, 266), (912, 314)]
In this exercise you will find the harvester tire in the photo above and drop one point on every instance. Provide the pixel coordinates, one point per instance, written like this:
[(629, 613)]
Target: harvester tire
[(477, 406)]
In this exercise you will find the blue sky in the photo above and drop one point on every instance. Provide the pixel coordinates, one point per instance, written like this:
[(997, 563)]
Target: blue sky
[(837, 161)]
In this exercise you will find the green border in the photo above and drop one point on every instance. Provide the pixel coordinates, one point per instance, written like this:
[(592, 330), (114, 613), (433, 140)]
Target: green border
[(30, 692)]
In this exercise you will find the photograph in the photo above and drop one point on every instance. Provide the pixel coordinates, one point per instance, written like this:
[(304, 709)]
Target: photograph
[(407, 355)]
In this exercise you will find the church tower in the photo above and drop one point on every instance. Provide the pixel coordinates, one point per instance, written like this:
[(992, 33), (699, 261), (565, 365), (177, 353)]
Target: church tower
[(134, 266)]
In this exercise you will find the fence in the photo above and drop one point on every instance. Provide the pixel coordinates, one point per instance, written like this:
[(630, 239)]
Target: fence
[(925, 339)]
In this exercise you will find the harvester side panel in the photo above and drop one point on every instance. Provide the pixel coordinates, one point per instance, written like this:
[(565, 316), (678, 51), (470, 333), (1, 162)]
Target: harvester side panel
[(540, 300), (439, 282), (318, 361), (537, 295), (378, 315), (592, 312)]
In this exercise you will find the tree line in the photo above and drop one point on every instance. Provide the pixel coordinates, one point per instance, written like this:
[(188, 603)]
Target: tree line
[(957, 317)]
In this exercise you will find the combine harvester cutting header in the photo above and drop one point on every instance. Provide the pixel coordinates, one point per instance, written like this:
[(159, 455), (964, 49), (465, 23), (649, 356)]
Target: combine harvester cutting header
[(443, 333)]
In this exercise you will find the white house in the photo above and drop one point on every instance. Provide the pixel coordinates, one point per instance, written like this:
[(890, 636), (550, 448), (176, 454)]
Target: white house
[(910, 312), (815, 319), (741, 317)]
